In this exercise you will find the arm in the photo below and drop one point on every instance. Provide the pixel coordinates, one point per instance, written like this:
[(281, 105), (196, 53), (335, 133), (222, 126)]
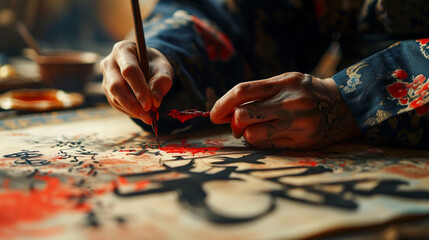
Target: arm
[(192, 61), (385, 97), (387, 94)]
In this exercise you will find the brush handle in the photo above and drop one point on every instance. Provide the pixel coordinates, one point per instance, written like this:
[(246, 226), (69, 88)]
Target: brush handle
[(142, 57)]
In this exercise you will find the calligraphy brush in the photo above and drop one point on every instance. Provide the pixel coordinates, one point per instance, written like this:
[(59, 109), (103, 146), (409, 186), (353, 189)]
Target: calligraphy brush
[(142, 57)]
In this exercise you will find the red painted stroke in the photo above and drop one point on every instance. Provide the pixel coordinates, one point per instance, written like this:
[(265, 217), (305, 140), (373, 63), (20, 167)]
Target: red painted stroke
[(188, 114)]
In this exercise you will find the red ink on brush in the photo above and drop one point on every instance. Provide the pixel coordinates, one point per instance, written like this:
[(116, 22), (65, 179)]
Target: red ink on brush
[(188, 114)]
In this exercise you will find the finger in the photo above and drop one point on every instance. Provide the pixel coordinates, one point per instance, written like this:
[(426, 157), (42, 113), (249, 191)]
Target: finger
[(159, 86), (111, 75), (267, 131), (127, 61), (246, 92), (298, 134), (143, 116), (302, 128), (253, 113), (162, 77), (279, 143), (118, 107), (240, 94), (121, 96)]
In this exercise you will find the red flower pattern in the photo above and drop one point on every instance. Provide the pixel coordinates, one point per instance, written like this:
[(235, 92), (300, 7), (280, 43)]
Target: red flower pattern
[(399, 73), (218, 45), (423, 41), (412, 94), (397, 90)]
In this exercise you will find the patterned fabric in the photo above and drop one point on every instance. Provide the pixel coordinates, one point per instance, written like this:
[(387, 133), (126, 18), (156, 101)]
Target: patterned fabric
[(215, 44), (388, 94)]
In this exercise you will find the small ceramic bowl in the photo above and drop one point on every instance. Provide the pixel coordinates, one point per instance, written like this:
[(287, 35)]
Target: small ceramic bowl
[(64, 69)]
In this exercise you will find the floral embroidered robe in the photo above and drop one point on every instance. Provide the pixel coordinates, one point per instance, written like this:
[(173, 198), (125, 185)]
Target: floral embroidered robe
[(215, 44)]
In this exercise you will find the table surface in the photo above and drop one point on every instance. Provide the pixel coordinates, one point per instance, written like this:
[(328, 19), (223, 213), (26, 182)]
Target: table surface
[(91, 173)]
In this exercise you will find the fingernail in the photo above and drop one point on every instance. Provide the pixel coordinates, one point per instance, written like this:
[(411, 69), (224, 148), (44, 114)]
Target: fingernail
[(156, 98), (145, 119), (142, 103), (146, 106)]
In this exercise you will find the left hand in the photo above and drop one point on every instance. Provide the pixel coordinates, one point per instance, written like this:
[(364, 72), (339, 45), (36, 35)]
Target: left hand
[(291, 110)]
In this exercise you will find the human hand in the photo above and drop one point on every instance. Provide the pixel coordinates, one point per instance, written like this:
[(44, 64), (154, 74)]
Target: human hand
[(124, 83), (291, 110)]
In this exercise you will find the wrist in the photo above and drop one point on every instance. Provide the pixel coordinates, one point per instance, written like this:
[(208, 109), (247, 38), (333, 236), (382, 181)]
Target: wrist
[(339, 121)]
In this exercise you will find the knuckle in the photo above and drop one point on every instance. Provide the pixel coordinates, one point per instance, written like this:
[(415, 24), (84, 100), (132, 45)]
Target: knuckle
[(241, 88), (103, 64), (114, 87), (298, 75), (240, 113), (106, 63), (122, 45), (293, 77), (249, 136), (162, 80), (129, 69)]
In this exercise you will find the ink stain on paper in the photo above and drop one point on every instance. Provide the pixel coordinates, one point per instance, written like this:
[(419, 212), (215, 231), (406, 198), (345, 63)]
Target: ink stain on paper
[(21, 206), (187, 148)]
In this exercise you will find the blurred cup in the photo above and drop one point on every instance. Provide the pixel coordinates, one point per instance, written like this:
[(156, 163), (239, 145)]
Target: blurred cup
[(67, 70)]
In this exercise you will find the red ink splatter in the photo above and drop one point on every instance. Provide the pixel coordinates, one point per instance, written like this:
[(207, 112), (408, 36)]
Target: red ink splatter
[(409, 171), (57, 157), (218, 142), (18, 207), (308, 163), (141, 185), (188, 148), (125, 150), (185, 115), (122, 180)]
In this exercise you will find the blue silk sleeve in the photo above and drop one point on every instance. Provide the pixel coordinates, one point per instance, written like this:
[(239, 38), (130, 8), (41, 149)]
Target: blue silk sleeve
[(388, 94), (203, 56)]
